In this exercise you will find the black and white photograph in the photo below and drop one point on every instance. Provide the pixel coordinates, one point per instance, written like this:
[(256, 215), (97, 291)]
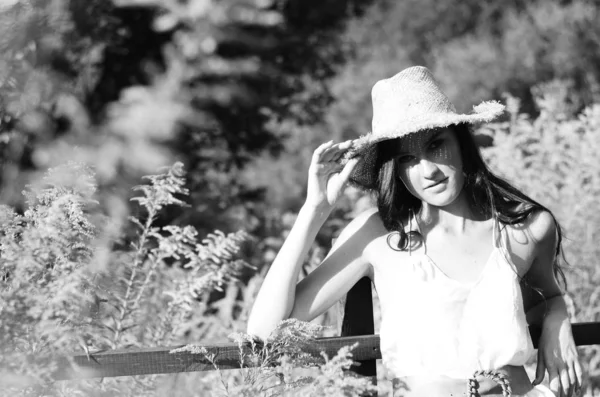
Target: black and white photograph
[(297, 198)]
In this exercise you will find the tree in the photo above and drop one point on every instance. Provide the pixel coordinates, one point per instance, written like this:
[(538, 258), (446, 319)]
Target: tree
[(477, 51), (228, 70)]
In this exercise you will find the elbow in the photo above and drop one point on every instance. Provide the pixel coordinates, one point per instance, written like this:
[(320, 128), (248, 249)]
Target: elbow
[(264, 318), (262, 326), (258, 329), (254, 329)]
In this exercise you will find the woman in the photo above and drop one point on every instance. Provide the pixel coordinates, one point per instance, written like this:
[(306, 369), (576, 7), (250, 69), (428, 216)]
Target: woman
[(461, 260)]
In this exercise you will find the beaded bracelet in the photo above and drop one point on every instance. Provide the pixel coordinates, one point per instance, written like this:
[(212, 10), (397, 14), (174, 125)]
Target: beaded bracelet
[(498, 377)]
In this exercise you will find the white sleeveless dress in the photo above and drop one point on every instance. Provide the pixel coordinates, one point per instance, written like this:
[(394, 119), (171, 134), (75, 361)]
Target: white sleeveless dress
[(433, 325)]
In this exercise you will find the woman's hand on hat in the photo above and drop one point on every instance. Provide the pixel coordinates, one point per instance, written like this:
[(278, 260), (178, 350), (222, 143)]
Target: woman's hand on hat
[(327, 176)]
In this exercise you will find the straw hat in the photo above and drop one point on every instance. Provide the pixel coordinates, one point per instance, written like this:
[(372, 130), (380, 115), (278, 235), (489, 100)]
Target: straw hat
[(409, 102)]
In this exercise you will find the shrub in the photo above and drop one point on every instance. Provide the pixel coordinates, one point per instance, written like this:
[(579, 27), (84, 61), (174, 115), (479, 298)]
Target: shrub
[(554, 158), (64, 286)]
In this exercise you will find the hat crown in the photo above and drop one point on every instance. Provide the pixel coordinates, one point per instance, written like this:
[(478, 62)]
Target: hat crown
[(406, 98), (409, 102)]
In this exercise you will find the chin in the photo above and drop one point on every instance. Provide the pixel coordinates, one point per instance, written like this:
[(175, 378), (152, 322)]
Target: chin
[(441, 199)]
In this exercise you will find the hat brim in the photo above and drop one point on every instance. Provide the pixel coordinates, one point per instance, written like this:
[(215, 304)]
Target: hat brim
[(364, 175)]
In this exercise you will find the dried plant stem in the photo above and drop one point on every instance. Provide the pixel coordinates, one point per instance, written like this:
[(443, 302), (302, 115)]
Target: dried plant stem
[(149, 275), (137, 263)]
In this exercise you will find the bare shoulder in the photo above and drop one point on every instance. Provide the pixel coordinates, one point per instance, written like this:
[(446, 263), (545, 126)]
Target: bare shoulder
[(533, 238), (538, 228), (537, 231), (542, 226)]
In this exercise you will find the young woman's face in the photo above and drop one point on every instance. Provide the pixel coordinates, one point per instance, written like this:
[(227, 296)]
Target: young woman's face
[(430, 165)]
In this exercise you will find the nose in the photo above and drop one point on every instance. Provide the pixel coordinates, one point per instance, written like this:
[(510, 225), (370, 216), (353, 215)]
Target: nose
[(428, 168)]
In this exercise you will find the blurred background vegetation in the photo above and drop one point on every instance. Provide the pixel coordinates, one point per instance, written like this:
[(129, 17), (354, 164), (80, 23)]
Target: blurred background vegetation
[(241, 92)]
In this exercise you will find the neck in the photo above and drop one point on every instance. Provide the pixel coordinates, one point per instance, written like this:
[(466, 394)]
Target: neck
[(453, 218)]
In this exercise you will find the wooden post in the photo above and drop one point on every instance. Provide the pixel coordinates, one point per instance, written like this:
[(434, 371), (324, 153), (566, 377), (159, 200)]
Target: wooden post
[(358, 320)]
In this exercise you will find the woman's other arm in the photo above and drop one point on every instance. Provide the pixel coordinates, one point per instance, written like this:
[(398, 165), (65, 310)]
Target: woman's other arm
[(276, 297), (557, 353)]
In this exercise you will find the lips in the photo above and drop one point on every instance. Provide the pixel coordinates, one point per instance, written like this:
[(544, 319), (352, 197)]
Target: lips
[(437, 183)]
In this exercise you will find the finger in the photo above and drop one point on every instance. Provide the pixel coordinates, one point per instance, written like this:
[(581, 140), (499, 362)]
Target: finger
[(565, 383), (555, 383), (329, 153), (348, 168), (346, 144), (336, 157), (335, 152), (578, 374), (343, 146), (540, 370), (572, 375), (318, 153), (339, 156), (342, 149)]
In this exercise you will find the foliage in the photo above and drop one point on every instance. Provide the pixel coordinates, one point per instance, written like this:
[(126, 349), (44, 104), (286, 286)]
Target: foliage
[(125, 87), (533, 43), (48, 71), (65, 288), (204, 78), (275, 362), (477, 50), (241, 92), (554, 159), (131, 86), (45, 286)]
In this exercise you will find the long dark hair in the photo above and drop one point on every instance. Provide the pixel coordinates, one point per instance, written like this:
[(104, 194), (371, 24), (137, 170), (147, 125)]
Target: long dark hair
[(487, 193)]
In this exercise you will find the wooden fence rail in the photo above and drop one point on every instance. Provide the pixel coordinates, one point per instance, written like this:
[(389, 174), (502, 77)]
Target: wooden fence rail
[(159, 360)]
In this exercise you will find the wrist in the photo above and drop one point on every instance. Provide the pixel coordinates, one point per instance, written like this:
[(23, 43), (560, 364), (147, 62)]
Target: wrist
[(552, 320), (555, 317), (321, 211)]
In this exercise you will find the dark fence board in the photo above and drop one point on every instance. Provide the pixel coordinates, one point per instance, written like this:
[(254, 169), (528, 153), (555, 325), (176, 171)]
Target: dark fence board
[(159, 361), (358, 320), (128, 362)]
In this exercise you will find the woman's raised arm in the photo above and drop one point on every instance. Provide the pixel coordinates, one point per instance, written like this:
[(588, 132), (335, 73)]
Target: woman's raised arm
[(326, 181)]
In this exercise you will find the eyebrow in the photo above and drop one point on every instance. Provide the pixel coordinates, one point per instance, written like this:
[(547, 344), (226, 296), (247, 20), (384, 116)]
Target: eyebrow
[(440, 132), (431, 138)]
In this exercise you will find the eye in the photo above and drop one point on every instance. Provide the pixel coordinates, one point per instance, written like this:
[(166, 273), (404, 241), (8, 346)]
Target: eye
[(435, 144), (405, 158)]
